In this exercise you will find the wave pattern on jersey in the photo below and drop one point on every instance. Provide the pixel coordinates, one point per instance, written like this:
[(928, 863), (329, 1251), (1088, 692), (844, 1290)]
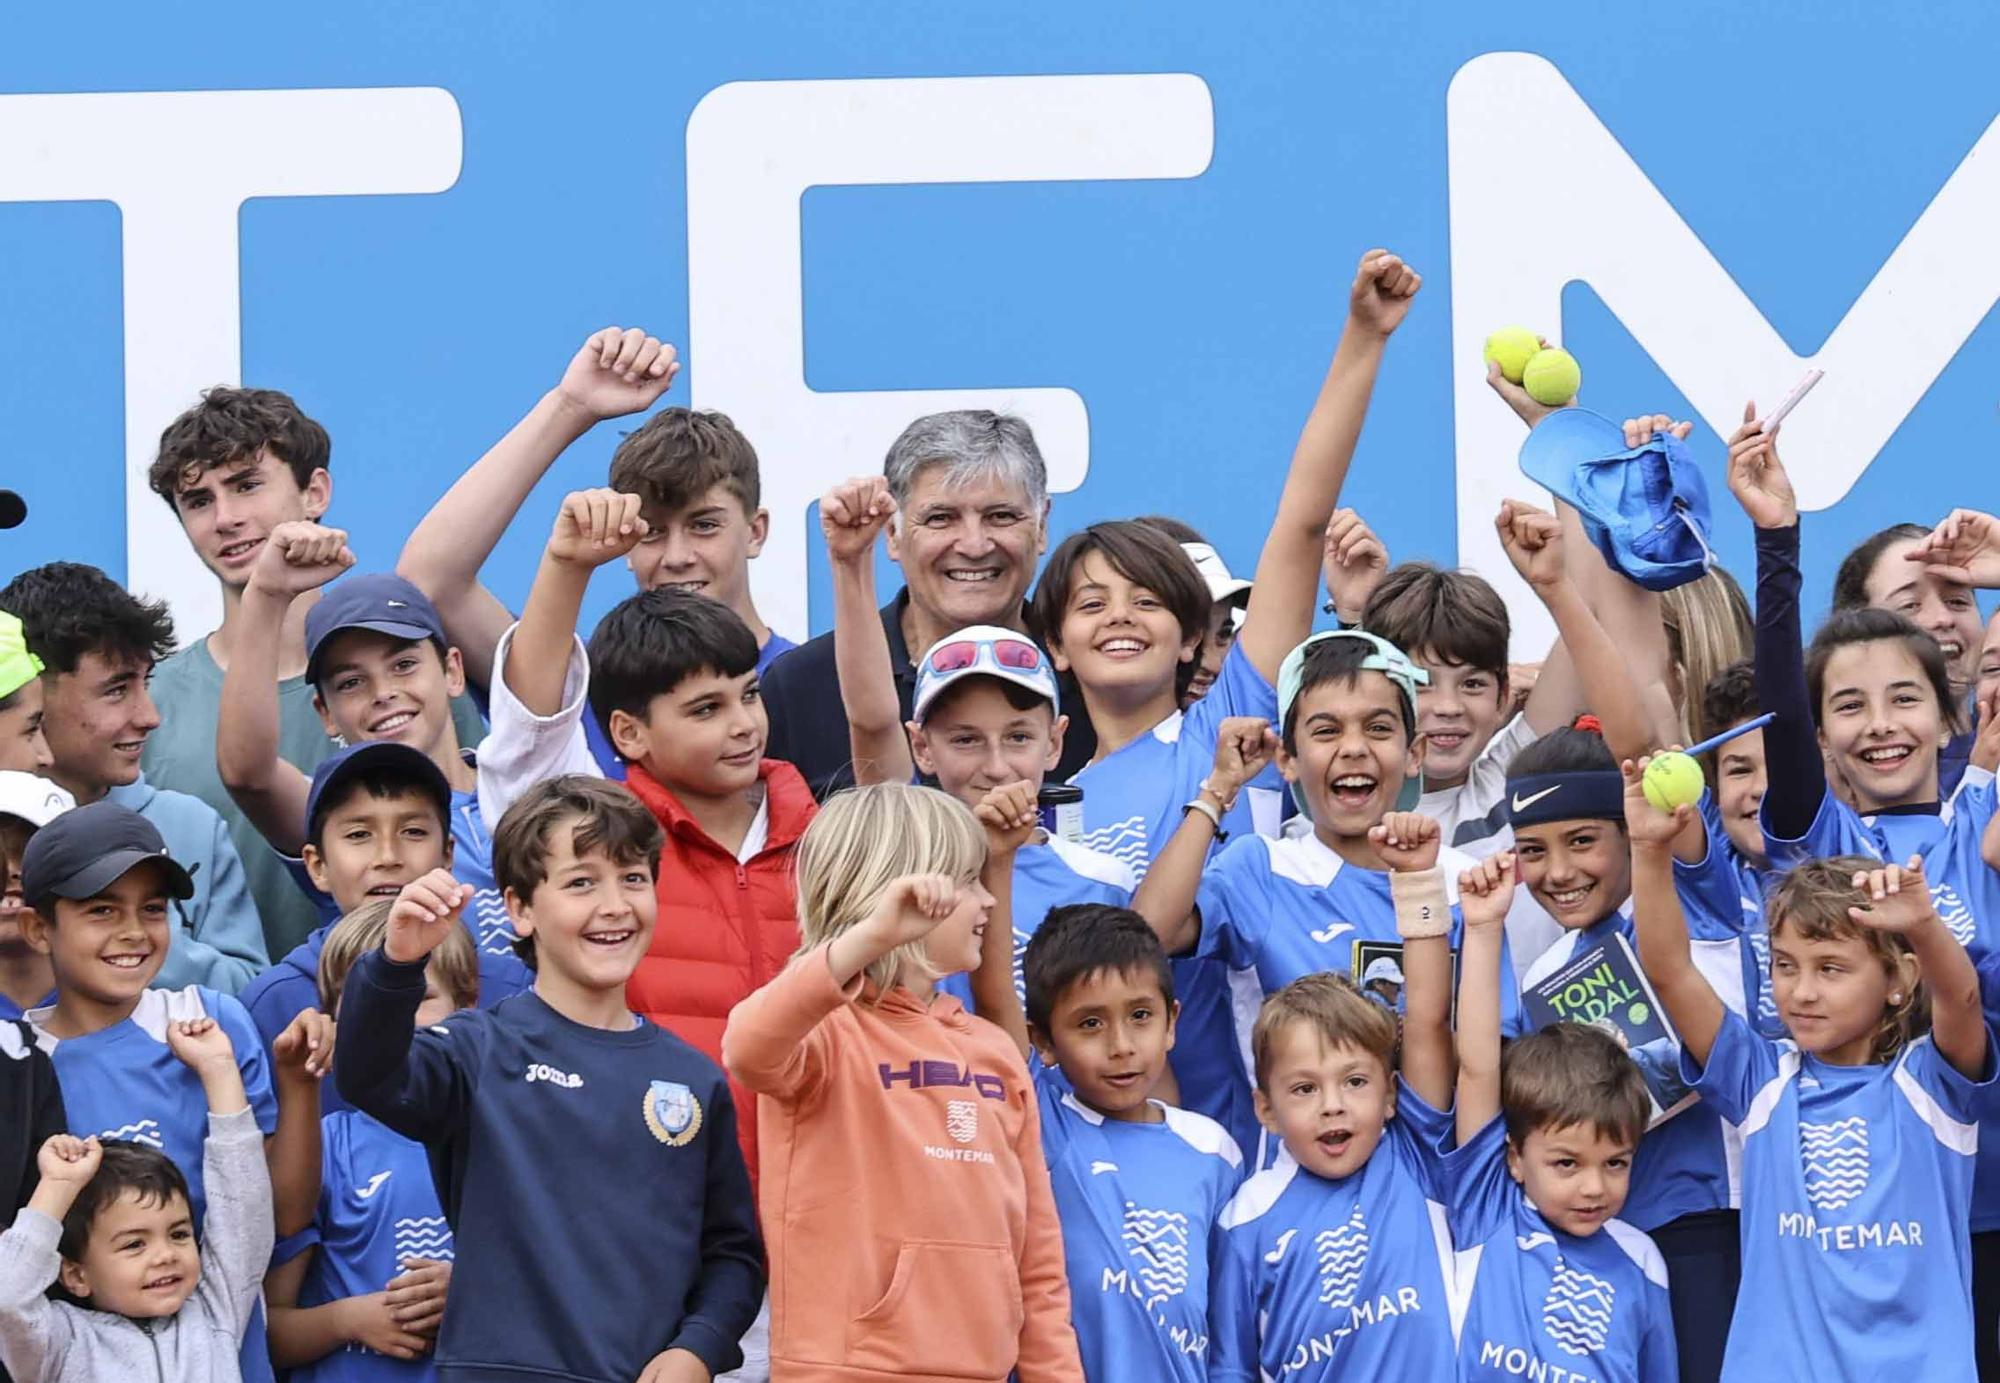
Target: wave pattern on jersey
[(424, 1236), (1343, 1253), (491, 927), (1953, 912), (145, 1131), (1124, 840), (1157, 1242), (1836, 1161), (1577, 1310)]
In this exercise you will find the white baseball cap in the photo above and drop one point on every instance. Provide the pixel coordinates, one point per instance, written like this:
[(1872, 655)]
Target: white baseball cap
[(36, 801), (1215, 571), (983, 650), (1382, 968)]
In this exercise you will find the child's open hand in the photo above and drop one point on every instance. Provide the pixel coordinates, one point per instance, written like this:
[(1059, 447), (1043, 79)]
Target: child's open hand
[(423, 915), (1640, 430), (200, 1043), (1486, 891), (1516, 397), (1964, 548), (1407, 841), (852, 515), (304, 1050), (911, 908), (1354, 562), (1010, 815), (68, 1161), (1895, 898), (1757, 478), (1243, 746), (595, 527), (300, 556), (1383, 289), (1534, 542), (1646, 824), (618, 371), (416, 1295)]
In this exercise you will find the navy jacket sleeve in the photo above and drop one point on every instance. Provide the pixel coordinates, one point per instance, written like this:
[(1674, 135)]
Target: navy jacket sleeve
[(419, 1084), (730, 1286), (1796, 775)]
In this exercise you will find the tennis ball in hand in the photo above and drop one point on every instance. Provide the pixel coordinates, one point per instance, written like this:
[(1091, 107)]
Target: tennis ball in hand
[(1552, 378), (1673, 780), (1512, 348)]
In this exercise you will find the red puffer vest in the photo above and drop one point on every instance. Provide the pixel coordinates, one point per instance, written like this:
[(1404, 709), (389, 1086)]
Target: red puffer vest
[(724, 929)]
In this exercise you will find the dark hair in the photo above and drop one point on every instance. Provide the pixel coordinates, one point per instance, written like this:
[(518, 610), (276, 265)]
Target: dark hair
[(1018, 696), (1142, 555), (1813, 898), (680, 454), (1453, 616), (381, 780), (602, 817), (1730, 698), (1172, 527), (1868, 624), (1564, 750), (1340, 660), (68, 609), (652, 642), (1850, 582), (228, 428), (125, 1166), (1570, 1075), (1084, 939)]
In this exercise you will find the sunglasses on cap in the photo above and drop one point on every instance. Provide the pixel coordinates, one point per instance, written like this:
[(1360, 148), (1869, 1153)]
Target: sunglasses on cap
[(1018, 655)]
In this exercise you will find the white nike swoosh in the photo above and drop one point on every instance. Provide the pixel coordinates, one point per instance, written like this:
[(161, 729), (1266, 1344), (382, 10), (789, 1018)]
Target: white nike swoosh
[(1322, 937), (374, 1184), (1522, 804), (1100, 1168), (1526, 1242), (1284, 1242)]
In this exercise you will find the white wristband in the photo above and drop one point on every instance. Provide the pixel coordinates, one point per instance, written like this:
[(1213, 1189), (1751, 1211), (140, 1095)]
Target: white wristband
[(1422, 910), (1207, 809)]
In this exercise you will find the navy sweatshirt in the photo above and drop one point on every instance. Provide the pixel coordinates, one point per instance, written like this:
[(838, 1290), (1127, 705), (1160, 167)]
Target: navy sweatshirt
[(592, 1179)]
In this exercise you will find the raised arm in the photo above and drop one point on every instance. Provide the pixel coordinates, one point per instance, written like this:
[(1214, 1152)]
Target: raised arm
[(592, 528), (1288, 570), (1657, 917), (1166, 897), (300, 1059), (297, 557), (1893, 899), (1009, 818), (851, 517), (616, 372), (1408, 843), (1485, 892)]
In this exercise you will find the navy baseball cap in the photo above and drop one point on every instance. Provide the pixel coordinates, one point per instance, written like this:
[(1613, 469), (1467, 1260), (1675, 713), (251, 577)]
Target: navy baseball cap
[(376, 756), (81, 853), (1645, 507), (379, 601)]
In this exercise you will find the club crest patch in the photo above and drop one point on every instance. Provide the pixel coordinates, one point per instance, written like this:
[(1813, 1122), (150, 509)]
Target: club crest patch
[(672, 1113)]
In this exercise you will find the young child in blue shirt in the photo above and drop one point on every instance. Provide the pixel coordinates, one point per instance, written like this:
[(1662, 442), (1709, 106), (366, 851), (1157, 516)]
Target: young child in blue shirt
[(1138, 1183), (1555, 1286), (358, 1296), (569, 1138), (1858, 1130), (1337, 1262)]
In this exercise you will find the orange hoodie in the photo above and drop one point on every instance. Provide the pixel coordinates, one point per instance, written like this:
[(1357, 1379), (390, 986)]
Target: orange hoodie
[(905, 1202)]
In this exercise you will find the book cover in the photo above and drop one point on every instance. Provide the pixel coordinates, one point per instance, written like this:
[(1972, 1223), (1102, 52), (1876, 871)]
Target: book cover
[(1604, 987)]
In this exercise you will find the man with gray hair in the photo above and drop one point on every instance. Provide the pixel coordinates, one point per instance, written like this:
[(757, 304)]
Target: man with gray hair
[(972, 509)]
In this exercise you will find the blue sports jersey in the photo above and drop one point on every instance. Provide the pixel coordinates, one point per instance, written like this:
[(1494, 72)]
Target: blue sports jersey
[(1316, 1279), (1685, 1165), (1539, 1303), (1138, 1205), (1964, 889), (377, 1208), (1724, 879), (1856, 1185), (125, 1082), (1133, 802), (12, 1012), (1053, 873)]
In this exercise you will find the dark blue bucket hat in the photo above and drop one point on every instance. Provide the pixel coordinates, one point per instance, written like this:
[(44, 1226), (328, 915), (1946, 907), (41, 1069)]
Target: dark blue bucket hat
[(1645, 507)]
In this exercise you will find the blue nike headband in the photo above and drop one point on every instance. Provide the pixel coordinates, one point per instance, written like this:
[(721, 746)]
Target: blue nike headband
[(1587, 795)]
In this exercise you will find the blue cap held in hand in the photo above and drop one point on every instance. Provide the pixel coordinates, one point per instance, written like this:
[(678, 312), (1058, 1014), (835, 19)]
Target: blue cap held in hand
[(1645, 507)]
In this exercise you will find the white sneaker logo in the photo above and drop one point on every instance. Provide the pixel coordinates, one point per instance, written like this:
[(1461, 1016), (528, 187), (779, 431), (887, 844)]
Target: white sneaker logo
[(1329, 933), (1577, 1310), (1098, 1169), (1522, 804), (1157, 1243), (374, 1185), (1528, 1243), (1836, 1161), (1284, 1242), (1343, 1253)]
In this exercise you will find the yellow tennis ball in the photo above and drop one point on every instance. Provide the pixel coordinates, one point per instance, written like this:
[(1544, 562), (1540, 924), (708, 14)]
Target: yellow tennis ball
[(1552, 377), (1512, 347), (1673, 780)]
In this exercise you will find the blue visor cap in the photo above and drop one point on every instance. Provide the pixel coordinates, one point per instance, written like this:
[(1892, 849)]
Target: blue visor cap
[(1645, 507)]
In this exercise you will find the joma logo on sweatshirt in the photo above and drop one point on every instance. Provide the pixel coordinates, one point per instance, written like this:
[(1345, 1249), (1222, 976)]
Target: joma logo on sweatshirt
[(921, 1075), (551, 1076)]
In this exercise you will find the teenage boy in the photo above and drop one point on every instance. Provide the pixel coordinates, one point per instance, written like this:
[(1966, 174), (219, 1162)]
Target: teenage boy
[(27, 804), (98, 644), (613, 1169), (99, 883), (381, 670), (233, 468)]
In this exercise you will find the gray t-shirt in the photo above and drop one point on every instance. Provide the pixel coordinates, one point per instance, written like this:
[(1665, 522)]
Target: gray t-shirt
[(187, 687)]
